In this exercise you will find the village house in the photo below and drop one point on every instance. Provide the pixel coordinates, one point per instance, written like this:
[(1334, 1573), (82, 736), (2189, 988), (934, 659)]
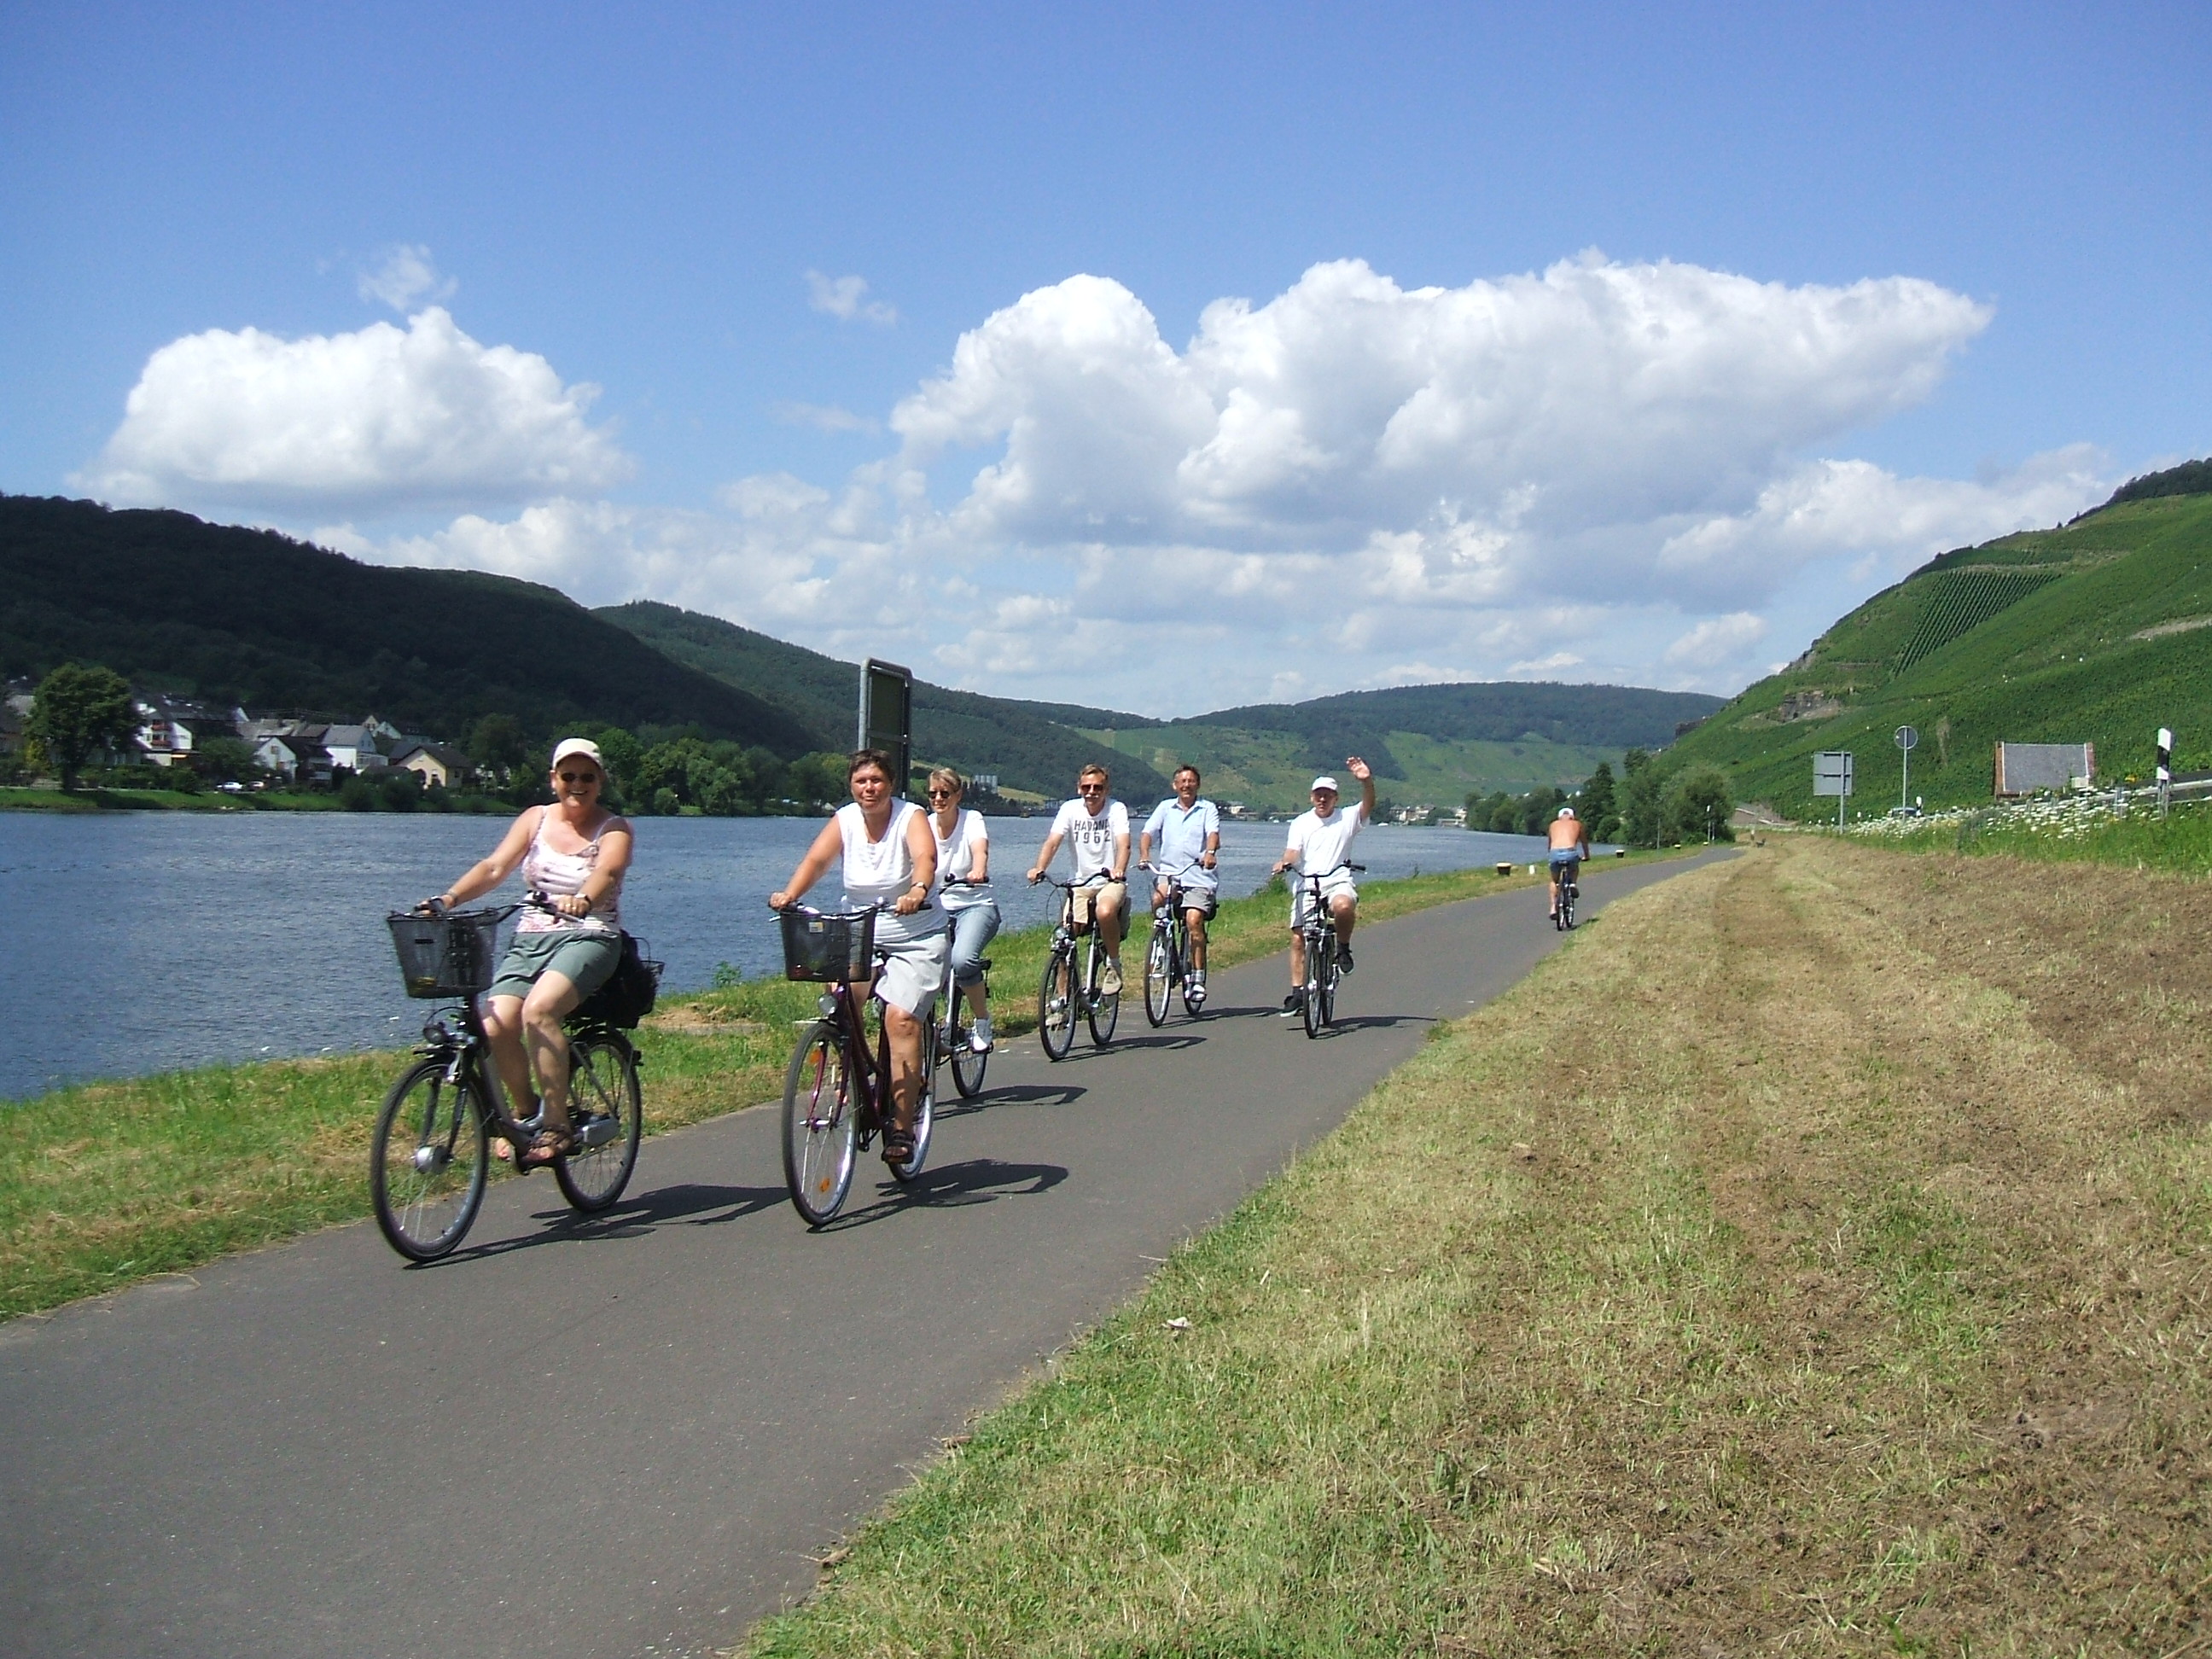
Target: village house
[(433, 762)]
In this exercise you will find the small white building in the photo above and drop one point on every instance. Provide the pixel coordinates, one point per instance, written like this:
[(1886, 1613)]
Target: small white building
[(354, 748)]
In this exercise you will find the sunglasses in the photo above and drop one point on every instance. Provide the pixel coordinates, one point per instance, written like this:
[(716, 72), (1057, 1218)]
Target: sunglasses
[(943, 795), (1089, 788), (578, 777)]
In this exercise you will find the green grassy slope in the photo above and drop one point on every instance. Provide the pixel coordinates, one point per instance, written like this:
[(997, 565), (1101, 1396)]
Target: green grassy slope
[(2084, 633), (1032, 746), (250, 616)]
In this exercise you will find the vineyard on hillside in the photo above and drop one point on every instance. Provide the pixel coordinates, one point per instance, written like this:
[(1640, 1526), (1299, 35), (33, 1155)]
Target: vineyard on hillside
[(1965, 599)]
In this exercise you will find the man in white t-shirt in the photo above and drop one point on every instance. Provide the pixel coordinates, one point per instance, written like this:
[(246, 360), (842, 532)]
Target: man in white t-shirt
[(1187, 831), (1095, 827), (1320, 840)]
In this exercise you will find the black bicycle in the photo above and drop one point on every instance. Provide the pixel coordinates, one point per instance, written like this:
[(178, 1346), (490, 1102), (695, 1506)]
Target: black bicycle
[(429, 1159), (837, 1095), (1317, 929), (956, 1026), (1563, 914), (1071, 988), (1167, 959)]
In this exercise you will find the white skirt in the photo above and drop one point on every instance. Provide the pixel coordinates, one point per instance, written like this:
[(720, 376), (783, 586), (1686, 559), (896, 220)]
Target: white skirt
[(913, 972)]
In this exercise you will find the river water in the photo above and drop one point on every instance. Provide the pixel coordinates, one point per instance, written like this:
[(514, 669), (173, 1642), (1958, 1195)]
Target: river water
[(147, 941)]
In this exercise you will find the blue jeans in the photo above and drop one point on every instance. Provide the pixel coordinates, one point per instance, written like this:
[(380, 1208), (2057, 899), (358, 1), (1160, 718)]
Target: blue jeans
[(973, 928)]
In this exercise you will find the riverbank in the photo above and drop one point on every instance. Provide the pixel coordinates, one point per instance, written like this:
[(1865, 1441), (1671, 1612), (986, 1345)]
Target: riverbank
[(159, 800), (1798, 1258), (103, 1184)]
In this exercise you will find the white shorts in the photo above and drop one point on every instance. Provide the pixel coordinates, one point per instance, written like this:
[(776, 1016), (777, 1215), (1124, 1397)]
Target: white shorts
[(914, 973), (1341, 882)]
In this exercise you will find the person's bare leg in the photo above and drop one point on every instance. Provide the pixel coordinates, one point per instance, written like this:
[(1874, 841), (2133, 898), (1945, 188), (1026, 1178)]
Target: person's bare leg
[(1346, 911), (1297, 960), (548, 1004), (1194, 922), (502, 1023), (905, 1033)]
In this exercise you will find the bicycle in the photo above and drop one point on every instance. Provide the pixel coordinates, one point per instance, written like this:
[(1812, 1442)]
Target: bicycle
[(1562, 914), (837, 1096), (428, 1159), (1167, 959), (955, 1030), (1317, 928), (1067, 992)]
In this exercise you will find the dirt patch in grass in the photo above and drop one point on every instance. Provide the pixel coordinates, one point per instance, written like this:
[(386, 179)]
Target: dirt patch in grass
[(1786, 1266)]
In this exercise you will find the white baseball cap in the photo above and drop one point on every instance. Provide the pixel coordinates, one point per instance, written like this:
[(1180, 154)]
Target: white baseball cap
[(583, 746), (1566, 812), (1326, 783)]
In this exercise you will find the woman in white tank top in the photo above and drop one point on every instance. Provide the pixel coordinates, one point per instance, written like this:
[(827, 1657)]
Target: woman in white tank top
[(888, 858), (576, 853)]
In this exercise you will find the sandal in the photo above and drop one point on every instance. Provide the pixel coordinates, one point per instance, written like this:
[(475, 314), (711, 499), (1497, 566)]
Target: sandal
[(898, 1146), (502, 1147), (551, 1144)]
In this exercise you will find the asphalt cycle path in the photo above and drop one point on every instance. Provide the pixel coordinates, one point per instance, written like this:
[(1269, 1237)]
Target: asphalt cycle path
[(634, 1435)]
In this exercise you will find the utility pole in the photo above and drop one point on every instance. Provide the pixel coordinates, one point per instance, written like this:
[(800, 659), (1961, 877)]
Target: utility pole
[(1906, 738)]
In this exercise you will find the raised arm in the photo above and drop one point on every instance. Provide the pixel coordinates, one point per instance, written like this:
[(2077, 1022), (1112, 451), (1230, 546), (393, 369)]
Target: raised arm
[(1360, 769), (827, 847), (487, 873), (921, 848)]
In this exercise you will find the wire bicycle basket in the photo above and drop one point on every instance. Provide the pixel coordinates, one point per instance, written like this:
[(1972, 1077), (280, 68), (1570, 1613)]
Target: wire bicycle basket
[(455, 954), (828, 949)]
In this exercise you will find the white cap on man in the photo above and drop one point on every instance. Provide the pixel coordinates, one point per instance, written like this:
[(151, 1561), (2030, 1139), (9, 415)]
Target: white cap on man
[(1566, 812), (1326, 783)]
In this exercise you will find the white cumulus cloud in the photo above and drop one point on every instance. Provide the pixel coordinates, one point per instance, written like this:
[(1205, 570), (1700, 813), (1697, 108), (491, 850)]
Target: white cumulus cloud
[(377, 420), (404, 273), (846, 298)]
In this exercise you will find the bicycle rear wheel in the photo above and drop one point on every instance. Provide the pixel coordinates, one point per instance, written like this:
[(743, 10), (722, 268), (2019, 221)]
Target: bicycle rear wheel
[(819, 1125), (1056, 1002), (1568, 895), (427, 1162), (968, 1066), (1159, 976), (1332, 974), (606, 1116), (1102, 1011)]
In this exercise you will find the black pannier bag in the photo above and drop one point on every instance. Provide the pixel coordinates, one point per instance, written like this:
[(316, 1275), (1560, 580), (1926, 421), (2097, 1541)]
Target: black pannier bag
[(630, 993)]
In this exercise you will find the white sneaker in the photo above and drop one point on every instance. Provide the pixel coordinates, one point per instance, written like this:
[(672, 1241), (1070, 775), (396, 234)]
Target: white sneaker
[(1109, 979), (979, 1034), (1198, 990)]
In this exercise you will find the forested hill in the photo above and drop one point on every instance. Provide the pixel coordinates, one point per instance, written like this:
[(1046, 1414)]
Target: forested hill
[(1589, 716), (251, 617), (1032, 746), (2099, 632)]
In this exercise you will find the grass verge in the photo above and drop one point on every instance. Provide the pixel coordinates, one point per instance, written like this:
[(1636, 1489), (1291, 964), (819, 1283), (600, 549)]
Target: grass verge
[(1795, 1261), (2181, 843), (106, 1184)]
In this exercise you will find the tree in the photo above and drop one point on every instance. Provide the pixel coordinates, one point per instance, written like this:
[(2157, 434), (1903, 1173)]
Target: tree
[(1640, 817), (224, 759), (498, 743), (1697, 804), (78, 709), (1597, 800)]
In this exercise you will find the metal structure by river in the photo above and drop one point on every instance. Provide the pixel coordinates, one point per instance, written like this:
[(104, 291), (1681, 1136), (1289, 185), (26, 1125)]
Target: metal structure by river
[(156, 940)]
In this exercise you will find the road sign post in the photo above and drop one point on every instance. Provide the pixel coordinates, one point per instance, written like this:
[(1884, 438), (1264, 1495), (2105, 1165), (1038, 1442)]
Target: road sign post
[(1906, 738), (887, 717), (2165, 770), (1831, 775)]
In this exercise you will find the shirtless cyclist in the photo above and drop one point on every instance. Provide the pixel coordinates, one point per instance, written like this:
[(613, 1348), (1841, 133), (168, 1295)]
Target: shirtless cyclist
[(1570, 845)]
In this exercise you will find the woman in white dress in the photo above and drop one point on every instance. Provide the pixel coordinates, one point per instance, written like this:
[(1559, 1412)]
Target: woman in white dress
[(888, 859)]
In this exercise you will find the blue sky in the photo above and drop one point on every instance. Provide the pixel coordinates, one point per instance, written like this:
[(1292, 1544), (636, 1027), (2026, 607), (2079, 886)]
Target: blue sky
[(1648, 427)]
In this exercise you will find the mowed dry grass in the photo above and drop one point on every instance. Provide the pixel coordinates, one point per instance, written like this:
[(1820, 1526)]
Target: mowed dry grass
[(1810, 1259)]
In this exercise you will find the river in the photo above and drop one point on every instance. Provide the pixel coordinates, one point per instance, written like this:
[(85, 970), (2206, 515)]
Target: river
[(155, 940)]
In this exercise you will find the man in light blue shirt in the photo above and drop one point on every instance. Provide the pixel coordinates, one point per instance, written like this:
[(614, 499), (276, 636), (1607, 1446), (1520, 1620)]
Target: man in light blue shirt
[(1183, 837)]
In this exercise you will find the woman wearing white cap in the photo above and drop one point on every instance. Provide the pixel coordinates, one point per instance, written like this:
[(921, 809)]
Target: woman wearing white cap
[(575, 852)]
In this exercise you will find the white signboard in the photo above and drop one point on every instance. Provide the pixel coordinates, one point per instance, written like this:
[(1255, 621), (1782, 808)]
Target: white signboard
[(1832, 772)]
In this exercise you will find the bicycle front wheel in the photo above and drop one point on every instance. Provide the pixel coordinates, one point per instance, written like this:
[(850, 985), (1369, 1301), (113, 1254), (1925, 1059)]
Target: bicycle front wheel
[(968, 1066), (924, 1108), (1319, 944), (1103, 1009), (427, 1162), (1332, 974), (819, 1125), (1159, 976), (1057, 1001), (607, 1118)]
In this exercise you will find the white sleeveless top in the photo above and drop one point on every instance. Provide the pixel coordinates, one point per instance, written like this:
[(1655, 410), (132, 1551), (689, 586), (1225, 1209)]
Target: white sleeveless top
[(956, 859), (879, 871), (556, 875)]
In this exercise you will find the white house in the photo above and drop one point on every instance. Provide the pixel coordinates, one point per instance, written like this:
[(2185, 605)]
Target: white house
[(354, 747)]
